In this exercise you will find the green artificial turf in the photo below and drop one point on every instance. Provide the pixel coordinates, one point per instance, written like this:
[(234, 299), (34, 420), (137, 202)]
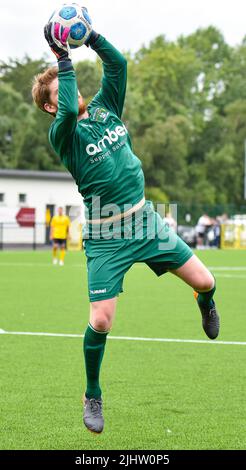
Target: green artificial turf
[(157, 395)]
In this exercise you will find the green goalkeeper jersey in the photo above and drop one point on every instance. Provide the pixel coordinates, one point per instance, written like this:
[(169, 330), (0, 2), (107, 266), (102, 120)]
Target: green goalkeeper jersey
[(97, 151)]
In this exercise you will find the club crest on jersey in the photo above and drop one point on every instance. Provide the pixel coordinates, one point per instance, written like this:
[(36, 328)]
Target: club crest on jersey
[(100, 115)]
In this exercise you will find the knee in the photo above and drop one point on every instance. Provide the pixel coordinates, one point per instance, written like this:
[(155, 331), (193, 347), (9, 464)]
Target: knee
[(101, 317), (205, 283), (101, 323)]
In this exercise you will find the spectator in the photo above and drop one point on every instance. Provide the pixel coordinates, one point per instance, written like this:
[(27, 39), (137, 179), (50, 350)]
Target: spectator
[(203, 224)]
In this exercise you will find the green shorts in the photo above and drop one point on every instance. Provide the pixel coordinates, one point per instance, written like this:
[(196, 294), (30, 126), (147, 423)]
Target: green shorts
[(146, 238)]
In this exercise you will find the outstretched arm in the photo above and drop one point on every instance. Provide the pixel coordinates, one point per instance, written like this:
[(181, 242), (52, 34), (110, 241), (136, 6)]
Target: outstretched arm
[(113, 90), (63, 127)]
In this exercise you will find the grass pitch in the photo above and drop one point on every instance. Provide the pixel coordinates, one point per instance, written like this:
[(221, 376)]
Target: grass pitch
[(156, 395)]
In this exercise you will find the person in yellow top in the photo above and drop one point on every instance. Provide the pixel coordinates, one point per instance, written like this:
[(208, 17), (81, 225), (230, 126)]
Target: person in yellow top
[(59, 233)]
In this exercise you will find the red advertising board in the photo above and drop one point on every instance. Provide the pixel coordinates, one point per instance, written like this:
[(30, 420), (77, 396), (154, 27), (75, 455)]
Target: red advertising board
[(26, 217)]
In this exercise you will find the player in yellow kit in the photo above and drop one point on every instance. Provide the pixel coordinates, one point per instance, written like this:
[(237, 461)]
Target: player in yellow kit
[(59, 233)]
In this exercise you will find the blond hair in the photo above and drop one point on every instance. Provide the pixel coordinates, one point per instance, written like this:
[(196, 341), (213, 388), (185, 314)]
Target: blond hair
[(40, 88)]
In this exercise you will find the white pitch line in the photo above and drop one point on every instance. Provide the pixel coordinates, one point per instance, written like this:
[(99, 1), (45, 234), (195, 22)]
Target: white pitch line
[(231, 276), (42, 265), (227, 268), (36, 333), (26, 264), (215, 270), (125, 338)]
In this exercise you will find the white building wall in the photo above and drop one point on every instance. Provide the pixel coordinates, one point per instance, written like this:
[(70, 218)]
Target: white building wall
[(40, 193)]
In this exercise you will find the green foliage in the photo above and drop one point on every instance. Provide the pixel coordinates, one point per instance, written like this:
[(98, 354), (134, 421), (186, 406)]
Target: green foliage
[(222, 172), (155, 194), (185, 110), (20, 74), (15, 118), (168, 72), (88, 78)]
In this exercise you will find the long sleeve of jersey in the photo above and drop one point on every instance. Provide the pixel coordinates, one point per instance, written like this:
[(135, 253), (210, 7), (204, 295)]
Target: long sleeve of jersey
[(111, 95), (63, 127), (113, 90)]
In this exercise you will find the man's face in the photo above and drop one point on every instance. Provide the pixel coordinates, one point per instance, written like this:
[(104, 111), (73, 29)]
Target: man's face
[(52, 106), (60, 211)]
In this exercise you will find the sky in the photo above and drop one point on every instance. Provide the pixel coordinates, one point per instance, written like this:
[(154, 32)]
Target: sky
[(128, 24)]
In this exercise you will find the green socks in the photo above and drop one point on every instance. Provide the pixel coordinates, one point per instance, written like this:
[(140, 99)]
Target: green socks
[(205, 298), (94, 345)]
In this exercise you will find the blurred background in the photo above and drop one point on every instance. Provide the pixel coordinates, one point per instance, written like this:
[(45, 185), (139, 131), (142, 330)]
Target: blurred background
[(185, 111)]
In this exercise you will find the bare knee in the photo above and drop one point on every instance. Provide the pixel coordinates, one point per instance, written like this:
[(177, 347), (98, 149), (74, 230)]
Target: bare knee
[(102, 315), (204, 282), (101, 323), (194, 273)]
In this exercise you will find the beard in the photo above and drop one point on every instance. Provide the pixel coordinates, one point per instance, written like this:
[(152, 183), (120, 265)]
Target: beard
[(82, 107)]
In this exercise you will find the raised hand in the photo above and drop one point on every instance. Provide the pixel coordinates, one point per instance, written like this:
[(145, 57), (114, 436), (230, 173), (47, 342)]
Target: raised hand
[(56, 36)]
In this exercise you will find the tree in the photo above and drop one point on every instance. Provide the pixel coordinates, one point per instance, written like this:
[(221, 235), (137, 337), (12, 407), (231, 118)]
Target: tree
[(168, 71), (88, 78), (15, 117), (166, 145), (20, 74), (222, 174), (35, 151)]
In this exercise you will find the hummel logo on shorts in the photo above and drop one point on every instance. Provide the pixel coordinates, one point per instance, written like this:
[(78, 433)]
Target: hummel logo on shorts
[(98, 291)]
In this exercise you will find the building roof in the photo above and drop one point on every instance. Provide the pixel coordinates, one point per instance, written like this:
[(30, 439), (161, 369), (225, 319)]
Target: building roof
[(39, 175)]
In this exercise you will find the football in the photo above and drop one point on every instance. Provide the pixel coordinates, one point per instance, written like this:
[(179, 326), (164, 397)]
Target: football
[(76, 18)]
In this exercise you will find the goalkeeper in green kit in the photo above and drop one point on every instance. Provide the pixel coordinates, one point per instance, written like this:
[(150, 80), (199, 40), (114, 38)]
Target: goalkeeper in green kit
[(122, 227)]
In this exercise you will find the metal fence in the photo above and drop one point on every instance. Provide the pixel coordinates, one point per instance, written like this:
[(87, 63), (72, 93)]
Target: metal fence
[(195, 210), (12, 235)]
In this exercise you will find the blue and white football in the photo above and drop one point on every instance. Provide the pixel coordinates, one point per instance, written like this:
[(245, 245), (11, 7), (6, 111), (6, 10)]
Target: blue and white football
[(76, 18)]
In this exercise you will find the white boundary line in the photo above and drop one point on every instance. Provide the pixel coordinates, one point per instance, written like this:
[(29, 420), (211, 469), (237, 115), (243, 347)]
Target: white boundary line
[(227, 268), (230, 276), (26, 264), (38, 265), (124, 338), (216, 271)]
